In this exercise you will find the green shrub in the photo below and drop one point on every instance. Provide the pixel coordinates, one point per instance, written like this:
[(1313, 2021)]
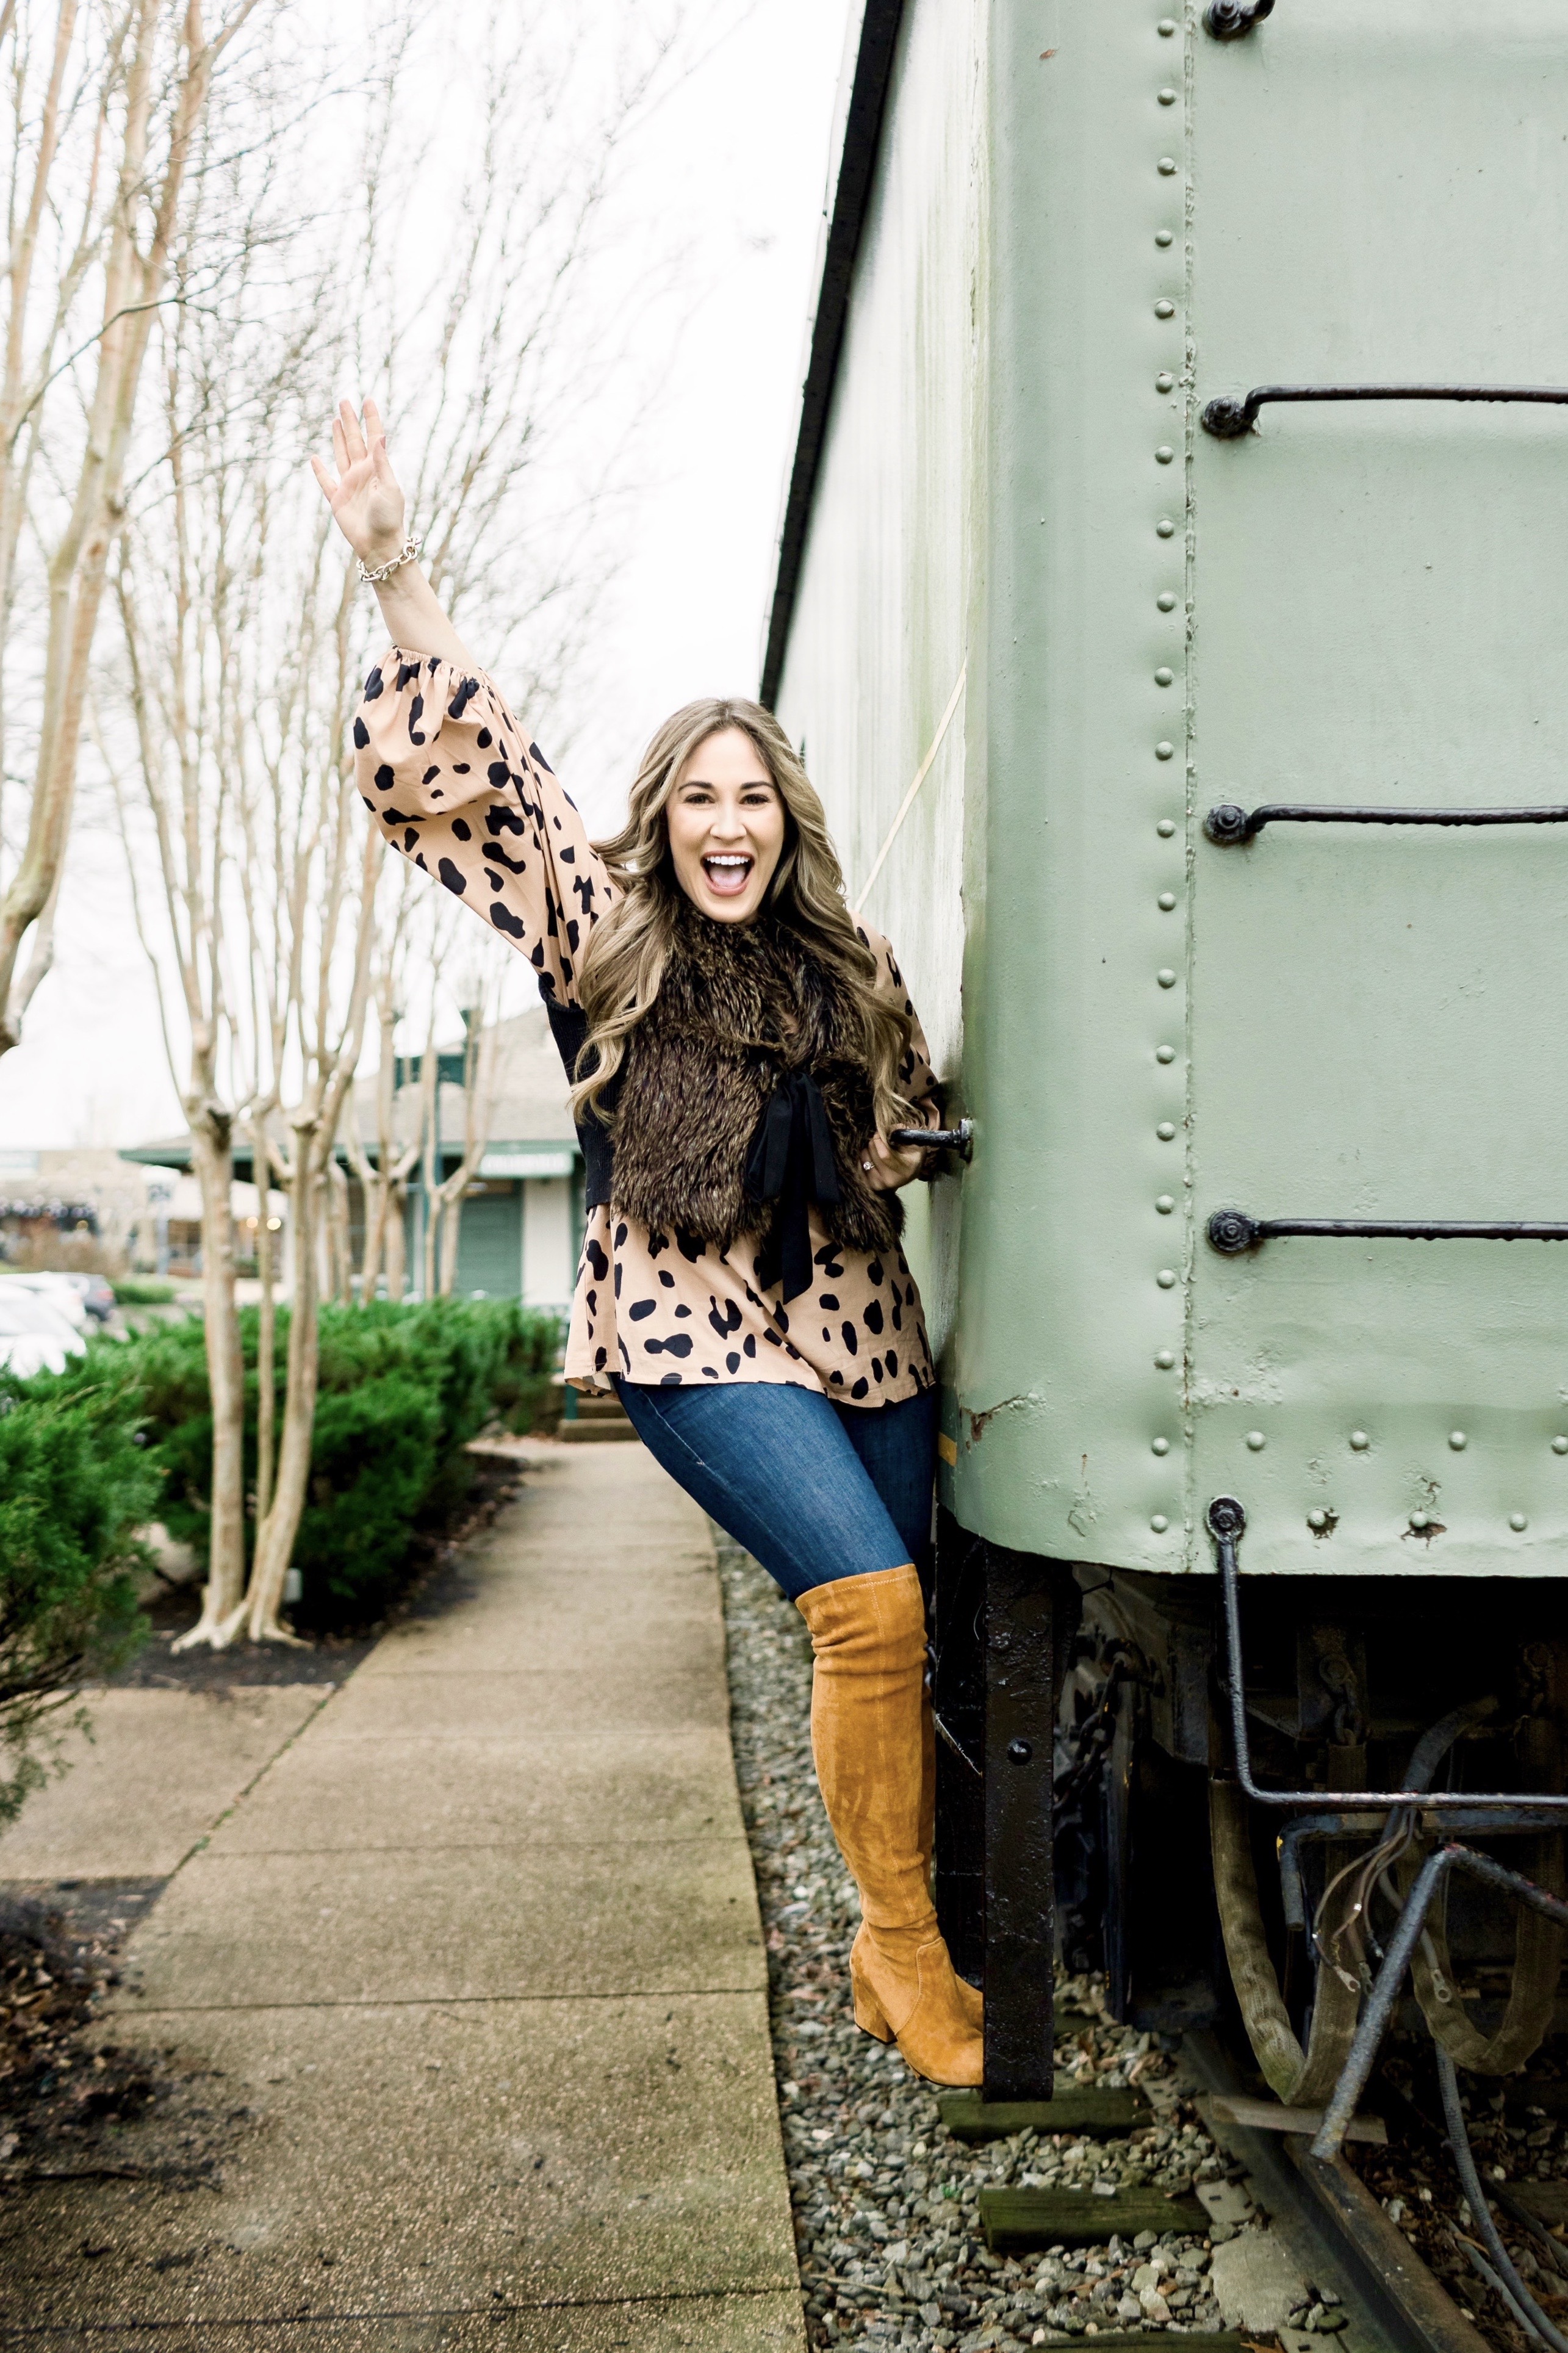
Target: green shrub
[(140, 1290), (74, 1484), (401, 1390)]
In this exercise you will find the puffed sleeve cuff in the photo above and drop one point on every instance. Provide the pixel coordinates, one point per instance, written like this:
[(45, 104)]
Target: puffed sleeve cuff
[(429, 736)]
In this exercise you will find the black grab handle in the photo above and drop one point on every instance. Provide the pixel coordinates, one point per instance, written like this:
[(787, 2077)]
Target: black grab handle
[(1232, 1231), (1232, 20), (959, 1139), (1229, 419), (1229, 826)]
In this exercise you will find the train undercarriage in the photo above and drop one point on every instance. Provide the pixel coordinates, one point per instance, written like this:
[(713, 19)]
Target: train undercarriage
[(1092, 1809)]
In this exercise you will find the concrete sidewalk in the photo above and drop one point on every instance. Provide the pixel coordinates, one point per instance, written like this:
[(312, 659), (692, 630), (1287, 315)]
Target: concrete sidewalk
[(478, 1966)]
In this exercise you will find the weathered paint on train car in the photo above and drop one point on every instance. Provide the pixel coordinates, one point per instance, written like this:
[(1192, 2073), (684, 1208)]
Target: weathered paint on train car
[(1087, 223), (882, 624)]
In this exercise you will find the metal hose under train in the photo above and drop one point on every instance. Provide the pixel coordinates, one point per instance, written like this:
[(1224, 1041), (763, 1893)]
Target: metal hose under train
[(1298, 2078), (1305, 2079)]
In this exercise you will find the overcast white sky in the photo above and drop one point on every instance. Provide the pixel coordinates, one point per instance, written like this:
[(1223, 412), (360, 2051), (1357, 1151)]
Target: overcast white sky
[(739, 156)]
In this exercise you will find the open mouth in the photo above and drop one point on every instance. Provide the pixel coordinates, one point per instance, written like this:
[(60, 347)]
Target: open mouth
[(728, 872)]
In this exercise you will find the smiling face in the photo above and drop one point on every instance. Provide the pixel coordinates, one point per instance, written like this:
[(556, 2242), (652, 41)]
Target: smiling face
[(726, 823)]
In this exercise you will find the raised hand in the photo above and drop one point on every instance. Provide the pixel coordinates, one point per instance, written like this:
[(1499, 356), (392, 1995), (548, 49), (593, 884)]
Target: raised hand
[(364, 495)]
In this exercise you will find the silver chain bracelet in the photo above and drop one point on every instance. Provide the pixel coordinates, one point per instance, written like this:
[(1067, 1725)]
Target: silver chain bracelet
[(405, 555)]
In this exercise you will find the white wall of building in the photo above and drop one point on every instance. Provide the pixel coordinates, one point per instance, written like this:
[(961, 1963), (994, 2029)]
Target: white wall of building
[(549, 1256)]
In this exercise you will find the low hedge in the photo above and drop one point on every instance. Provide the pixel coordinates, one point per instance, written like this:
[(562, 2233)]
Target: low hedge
[(401, 1390), (74, 1486)]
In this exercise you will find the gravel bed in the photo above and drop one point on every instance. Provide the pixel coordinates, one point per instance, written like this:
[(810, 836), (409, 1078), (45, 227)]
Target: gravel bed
[(885, 2203)]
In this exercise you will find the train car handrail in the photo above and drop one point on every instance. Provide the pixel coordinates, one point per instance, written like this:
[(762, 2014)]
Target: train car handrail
[(1229, 419), (1232, 20), (1229, 826), (1232, 1231), (1227, 1523), (959, 1139)]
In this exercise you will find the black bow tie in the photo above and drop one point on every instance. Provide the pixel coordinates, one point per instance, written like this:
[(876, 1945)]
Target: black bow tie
[(791, 1162)]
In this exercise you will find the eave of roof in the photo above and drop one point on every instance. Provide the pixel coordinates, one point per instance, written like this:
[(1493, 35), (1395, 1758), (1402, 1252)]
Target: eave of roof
[(851, 196)]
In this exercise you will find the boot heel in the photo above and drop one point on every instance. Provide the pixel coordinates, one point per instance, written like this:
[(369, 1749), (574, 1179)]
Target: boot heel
[(869, 2013)]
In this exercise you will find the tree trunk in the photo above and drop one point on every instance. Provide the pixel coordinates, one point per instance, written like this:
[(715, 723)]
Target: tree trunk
[(266, 1338), (341, 1255), (213, 1145), (275, 1540), (396, 1240), (451, 1233)]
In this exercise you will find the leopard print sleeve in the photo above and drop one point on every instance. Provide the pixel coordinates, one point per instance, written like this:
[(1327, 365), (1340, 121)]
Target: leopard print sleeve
[(916, 1076), (453, 783)]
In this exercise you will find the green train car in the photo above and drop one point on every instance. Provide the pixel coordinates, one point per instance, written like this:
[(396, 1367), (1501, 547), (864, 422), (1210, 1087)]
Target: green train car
[(1172, 606)]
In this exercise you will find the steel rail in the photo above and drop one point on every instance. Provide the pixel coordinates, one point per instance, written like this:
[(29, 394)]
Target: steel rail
[(1334, 2227)]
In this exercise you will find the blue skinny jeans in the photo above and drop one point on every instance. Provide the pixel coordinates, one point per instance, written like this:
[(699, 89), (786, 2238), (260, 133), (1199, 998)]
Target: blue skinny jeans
[(813, 1490)]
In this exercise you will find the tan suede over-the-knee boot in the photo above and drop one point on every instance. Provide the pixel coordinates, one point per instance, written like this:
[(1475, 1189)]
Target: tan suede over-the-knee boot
[(972, 2000), (868, 1737)]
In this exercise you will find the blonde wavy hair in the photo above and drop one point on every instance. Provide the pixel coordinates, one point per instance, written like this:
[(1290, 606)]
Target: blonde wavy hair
[(625, 959)]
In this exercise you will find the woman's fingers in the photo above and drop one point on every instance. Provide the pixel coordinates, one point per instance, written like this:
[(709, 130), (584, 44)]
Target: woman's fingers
[(374, 430), (353, 439), (329, 487)]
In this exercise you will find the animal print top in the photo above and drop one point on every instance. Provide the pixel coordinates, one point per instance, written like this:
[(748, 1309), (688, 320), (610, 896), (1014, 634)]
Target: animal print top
[(446, 773)]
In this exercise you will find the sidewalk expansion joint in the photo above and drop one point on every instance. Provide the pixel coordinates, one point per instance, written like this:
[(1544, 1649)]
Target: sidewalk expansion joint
[(493, 2308)]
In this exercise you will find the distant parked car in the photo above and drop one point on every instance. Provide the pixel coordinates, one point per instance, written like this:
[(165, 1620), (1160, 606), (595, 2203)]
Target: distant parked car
[(34, 1337), (96, 1295)]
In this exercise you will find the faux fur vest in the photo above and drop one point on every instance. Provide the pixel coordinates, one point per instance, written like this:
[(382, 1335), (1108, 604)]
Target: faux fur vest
[(747, 1028)]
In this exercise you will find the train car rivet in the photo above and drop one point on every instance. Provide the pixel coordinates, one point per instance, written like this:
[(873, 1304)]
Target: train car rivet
[(1166, 600), (1166, 1278), (1164, 750), (1165, 528), (1167, 27), (1166, 1360), (1317, 1521), (1457, 1440), (1164, 1053), (1518, 1522), (1165, 1132), (1256, 1441), (1560, 1446), (1163, 237), (1160, 1446), (1420, 1521), (1164, 455), (1167, 98), (1164, 677), (1165, 1204), (1164, 381), (1166, 828), (1167, 979), (1167, 167), (1167, 900), (1018, 1752), (1360, 1442)]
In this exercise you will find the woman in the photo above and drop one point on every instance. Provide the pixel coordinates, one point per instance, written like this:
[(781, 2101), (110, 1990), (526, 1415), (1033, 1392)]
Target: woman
[(740, 1052)]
